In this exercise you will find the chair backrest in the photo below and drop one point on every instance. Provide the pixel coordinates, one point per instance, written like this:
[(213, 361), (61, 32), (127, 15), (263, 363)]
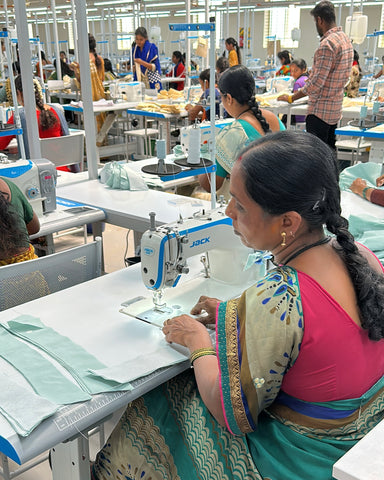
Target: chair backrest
[(66, 150), (26, 281)]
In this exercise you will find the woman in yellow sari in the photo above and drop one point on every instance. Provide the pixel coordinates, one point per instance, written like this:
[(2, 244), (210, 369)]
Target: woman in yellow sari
[(296, 377), (96, 64)]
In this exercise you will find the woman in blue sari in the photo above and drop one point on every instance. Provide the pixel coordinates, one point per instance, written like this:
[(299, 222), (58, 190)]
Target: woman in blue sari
[(146, 58)]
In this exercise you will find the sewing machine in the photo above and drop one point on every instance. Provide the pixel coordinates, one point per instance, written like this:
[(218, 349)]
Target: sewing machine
[(164, 254), (375, 90), (127, 91), (205, 133), (279, 84), (165, 250), (37, 180)]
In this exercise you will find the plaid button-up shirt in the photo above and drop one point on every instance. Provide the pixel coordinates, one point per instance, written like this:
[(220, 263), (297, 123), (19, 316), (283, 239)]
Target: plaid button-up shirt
[(330, 72)]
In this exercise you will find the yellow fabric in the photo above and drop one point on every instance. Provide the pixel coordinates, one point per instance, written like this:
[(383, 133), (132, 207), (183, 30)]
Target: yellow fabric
[(21, 257), (232, 58), (97, 78)]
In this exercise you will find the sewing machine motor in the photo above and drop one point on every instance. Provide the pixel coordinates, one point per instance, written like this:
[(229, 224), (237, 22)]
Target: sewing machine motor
[(165, 250), (36, 179)]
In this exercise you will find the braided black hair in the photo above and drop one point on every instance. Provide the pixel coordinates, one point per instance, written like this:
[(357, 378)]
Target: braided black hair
[(47, 118), (238, 81), (296, 171), (368, 284), (233, 42), (12, 238)]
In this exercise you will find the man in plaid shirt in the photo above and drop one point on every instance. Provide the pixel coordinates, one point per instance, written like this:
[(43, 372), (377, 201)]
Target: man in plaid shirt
[(332, 63)]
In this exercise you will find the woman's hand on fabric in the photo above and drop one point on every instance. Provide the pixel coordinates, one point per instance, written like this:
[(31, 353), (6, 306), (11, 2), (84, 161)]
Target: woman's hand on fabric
[(380, 181), (283, 98), (358, 186), (186, 331), (207, 306)]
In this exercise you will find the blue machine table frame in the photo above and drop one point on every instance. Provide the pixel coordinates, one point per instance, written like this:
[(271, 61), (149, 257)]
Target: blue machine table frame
[(376, 135)]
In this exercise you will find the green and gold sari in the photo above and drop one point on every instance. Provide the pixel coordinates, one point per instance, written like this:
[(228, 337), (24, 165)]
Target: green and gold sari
[(170, 434)]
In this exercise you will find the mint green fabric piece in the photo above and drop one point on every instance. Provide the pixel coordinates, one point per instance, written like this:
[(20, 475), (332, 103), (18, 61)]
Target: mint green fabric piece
[(52, 385), (74, 358), (367, 230), (119, 176), (23, 409), (368, 171), (27, 344)]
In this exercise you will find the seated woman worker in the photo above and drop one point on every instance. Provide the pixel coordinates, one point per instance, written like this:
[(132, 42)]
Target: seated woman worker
[(237, 91), (296, 377)]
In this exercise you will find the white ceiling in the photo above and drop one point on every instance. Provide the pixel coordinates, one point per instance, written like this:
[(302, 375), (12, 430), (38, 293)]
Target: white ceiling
[(38, 9), (95, 7)]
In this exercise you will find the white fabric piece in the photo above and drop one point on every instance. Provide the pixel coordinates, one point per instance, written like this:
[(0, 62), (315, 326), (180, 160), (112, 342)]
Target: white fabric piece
[(23, 409), (98, 103), (142, 365)]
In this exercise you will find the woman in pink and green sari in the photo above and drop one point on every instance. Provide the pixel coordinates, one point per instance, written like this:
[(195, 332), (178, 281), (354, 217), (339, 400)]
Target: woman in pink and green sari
[(297, 374)]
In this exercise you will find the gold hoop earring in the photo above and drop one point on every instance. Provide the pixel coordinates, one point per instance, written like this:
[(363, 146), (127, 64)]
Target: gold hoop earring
[(283, 236)]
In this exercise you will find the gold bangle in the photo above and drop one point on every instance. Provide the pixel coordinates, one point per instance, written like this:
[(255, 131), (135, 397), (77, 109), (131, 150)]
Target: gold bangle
[(290, 99), (201, 352)]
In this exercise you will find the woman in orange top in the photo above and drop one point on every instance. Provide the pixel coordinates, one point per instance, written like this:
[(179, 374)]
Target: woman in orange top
[(234, 56)]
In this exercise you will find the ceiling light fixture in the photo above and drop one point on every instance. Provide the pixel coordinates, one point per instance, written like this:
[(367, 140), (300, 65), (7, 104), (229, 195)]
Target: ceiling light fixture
[(114, 2)]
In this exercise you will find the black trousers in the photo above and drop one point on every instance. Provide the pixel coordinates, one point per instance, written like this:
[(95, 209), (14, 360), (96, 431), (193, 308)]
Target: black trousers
[(322, 130)]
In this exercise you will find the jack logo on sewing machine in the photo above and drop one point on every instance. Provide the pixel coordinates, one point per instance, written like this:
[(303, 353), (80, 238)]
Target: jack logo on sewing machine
[(196, 243)]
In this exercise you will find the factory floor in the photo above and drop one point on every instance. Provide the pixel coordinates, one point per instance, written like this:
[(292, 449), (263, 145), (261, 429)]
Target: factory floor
[(114, 245)]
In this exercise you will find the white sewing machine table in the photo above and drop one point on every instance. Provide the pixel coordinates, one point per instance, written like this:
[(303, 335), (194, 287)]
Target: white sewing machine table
[(89, 315), (68, 215), (129, 209), (153, 181)]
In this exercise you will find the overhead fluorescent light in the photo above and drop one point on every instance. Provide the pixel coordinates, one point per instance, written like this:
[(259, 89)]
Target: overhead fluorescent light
[(158, 14), (170, 4), (37, 9), (113, 2)]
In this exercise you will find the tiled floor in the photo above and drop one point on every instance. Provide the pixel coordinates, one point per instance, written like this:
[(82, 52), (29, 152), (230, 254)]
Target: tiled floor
[(117, 245)]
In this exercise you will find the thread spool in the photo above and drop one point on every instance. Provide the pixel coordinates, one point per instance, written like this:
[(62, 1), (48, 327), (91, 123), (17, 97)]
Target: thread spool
[(194, 146), (161, 149), (363, 111), (375, 108)]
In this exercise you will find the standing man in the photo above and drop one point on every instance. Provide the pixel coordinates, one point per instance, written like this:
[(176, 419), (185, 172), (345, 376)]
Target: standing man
[(332, 63)]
